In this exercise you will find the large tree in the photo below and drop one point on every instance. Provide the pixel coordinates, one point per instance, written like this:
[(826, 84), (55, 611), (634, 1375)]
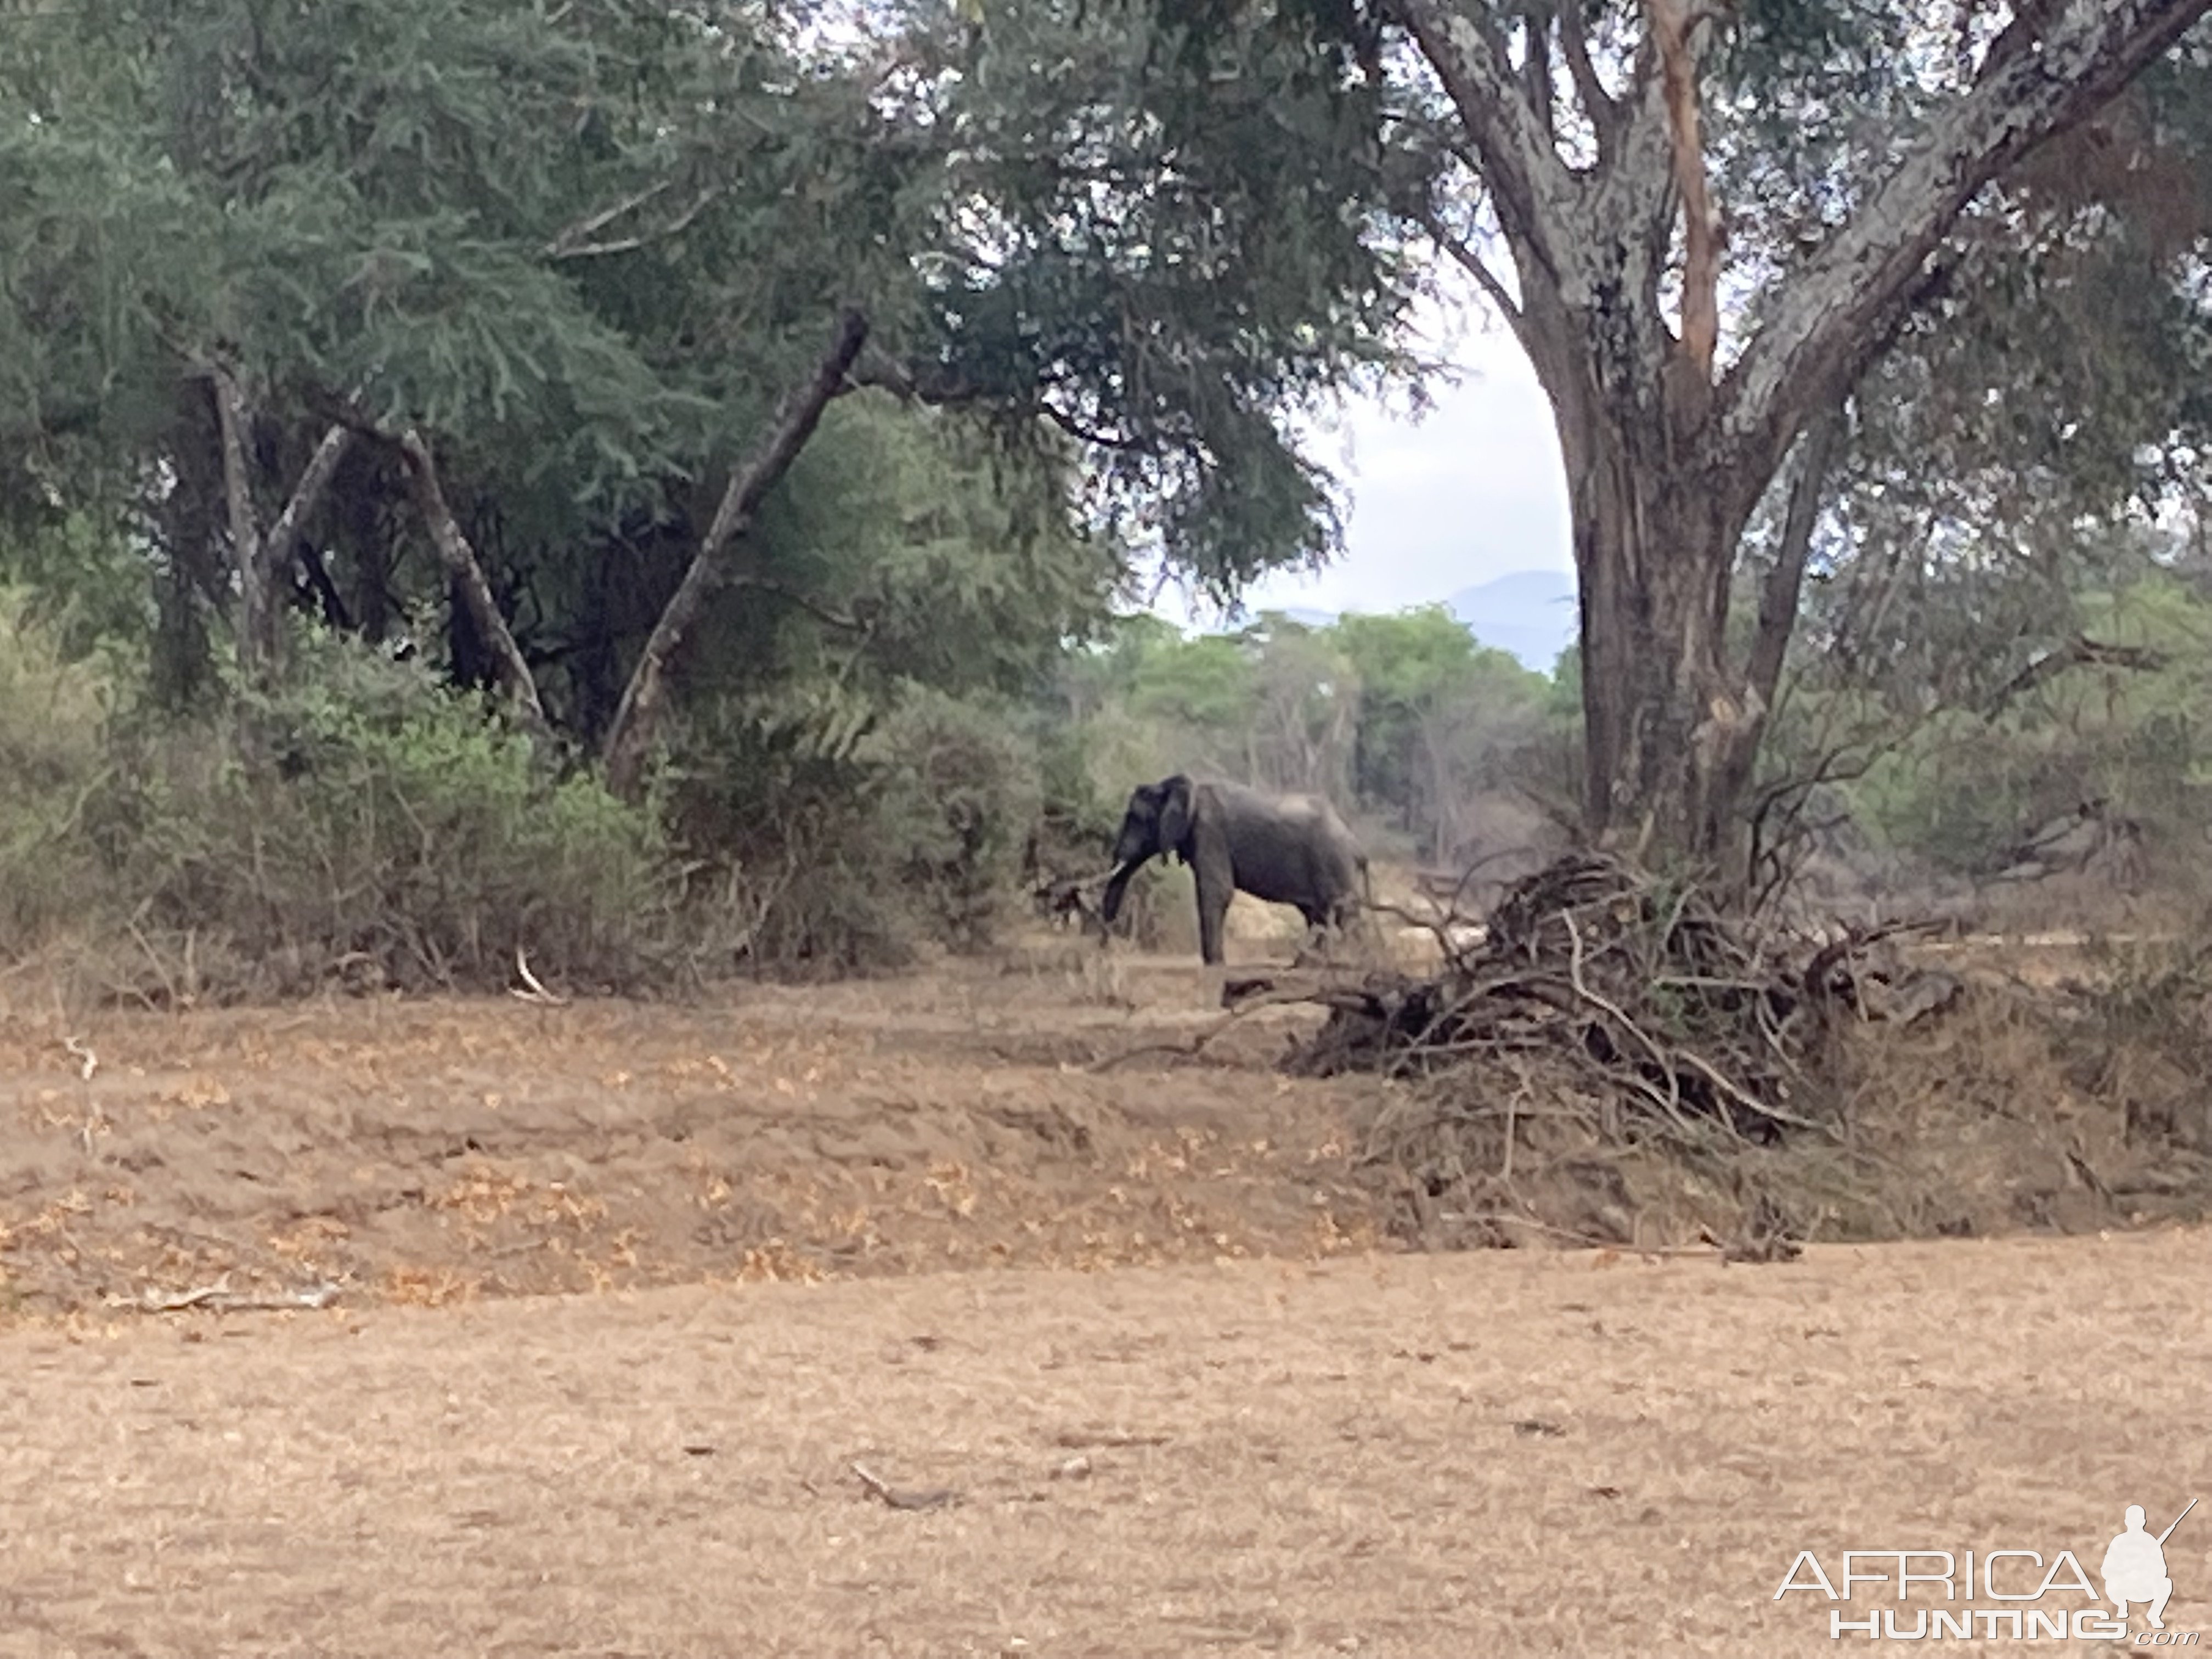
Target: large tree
[(1704, 223), (563, 294)]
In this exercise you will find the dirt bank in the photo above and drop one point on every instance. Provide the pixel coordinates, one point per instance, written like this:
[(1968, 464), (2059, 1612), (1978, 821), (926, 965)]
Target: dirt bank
[(428, 1150)]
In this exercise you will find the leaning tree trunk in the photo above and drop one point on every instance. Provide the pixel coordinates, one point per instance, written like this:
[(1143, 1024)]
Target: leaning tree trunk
[(262, 559), (640, 714)]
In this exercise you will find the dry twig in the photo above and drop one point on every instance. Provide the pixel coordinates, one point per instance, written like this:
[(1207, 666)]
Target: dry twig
[(936, 1498), (87, 1062), (219, 1298)]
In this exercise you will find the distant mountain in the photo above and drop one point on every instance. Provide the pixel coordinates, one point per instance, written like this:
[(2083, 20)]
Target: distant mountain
[(1530, 613)]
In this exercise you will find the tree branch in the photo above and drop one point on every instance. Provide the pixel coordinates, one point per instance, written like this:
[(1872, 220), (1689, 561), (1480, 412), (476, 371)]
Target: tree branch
[(591, 223), (260, 560), (1084, 432), (1530, 186), (935, 386), (1536, 73), (1820, 336), (637, 717), (2081, 651), (1485, 279), (451, 544), (1779, 595), (231, 422), (1602, 109), (461, 563), (562, 248), (257, 609), (1672, 28), (314, 480)]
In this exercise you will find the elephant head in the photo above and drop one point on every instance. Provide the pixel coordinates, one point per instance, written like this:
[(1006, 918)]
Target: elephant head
[(1156, 824)]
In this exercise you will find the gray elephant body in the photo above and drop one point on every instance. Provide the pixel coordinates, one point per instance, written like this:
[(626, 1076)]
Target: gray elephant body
[(1286, 849)]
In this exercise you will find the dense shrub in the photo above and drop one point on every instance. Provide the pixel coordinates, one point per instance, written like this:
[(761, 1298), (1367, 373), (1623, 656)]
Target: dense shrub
[(854, 835), (958, 793), (54, 713), (361, 826)]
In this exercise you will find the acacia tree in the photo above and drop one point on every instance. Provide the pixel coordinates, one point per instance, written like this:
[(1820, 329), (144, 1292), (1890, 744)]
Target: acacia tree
[(1704, 222), (577, 285)]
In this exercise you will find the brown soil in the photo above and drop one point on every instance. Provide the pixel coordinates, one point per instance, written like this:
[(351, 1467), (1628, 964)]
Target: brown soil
[(426, 1151), (1317, 1449)]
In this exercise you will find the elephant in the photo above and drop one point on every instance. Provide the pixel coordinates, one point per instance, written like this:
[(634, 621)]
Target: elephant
[(1288, 849)]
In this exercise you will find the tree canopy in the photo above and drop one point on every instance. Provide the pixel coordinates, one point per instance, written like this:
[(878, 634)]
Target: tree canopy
[(632, 362)]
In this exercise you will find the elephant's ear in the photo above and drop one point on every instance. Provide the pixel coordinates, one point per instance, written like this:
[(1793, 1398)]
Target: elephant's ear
[(1175, 814)]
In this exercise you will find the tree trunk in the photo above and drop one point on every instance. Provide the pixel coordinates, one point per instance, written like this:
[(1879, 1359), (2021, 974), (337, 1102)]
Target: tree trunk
[(638, 717), (463, 569), (467, 576), (260, 562), (1653, 551), (1668, 450)]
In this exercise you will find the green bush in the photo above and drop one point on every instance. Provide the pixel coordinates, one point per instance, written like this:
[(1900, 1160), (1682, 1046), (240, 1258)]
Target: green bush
[(386, 824), (958, 792), (54, 713), (852, 834), (360, 826)]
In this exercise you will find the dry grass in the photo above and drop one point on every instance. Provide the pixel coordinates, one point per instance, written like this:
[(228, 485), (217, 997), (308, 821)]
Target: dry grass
[(1163, 1444), (1501, 1453)]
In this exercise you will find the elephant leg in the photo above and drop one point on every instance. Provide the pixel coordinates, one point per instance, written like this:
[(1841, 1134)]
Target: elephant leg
[(1214, 898)]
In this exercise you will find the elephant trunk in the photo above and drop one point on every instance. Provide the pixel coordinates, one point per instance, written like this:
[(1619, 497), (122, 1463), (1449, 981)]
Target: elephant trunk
[(1109, 905)]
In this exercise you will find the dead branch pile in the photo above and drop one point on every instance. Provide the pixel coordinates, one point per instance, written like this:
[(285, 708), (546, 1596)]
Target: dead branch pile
[(1598, 984), (1602, 1014)]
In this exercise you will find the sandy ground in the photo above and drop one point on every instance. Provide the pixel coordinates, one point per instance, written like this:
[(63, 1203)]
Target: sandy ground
[(1498, 1453), (622, 1293)]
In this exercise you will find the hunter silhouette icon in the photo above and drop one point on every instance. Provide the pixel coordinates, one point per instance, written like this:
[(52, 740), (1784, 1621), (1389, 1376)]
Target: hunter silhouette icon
[(2135, 1567)]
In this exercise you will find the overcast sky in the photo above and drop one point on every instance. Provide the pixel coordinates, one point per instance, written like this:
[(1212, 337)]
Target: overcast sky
[(1471, 491)]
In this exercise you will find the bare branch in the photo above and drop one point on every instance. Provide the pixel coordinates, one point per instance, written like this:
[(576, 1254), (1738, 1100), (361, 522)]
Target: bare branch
[(231, 422), (1778, 596), (2081, 651), (1536, 72), (314, 480), (559, 250), (530, 990), (451, 544), (2070, 58), (1485, 279), (567, 240), (260, 560), (1079, 428), (1600, 107), (461, 563), (935, 384), (1531, 187), (1673, 28)]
